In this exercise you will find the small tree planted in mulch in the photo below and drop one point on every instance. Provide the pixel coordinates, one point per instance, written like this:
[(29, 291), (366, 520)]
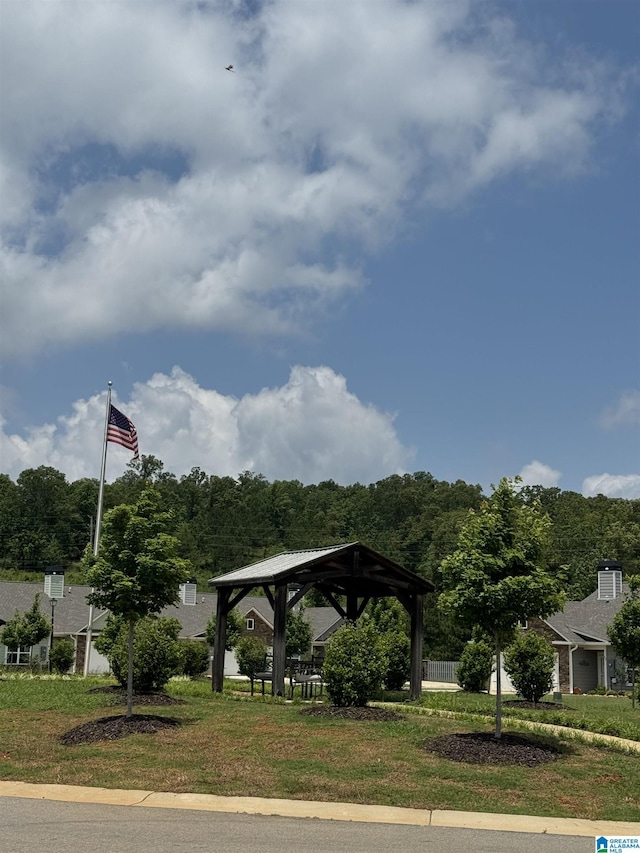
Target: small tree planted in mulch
[(137, 571), (499, 575)]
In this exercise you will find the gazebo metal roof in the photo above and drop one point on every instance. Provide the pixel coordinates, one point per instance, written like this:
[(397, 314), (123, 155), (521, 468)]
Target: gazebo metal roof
[(272, 568), (332, 566)]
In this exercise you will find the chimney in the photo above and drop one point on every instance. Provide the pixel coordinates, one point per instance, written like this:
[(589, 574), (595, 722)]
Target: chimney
[(188, 591), (54, 581), (609, 579)]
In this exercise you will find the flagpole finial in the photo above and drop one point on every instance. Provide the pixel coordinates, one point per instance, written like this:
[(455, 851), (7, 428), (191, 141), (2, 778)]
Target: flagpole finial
[(109, 383)]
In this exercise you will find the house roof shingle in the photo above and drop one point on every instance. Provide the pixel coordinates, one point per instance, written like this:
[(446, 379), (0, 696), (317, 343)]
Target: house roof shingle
[(587, 620), (72, 611)]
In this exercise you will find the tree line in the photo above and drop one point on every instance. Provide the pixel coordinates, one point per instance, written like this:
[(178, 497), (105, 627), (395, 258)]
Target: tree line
[(222, 523)]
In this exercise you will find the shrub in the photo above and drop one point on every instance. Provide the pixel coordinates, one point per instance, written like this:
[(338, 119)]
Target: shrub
[(529, 662), (250, 655), (397, 649), (475, 667), (195, 657), (355, 664), (156, 651), (61, 656)]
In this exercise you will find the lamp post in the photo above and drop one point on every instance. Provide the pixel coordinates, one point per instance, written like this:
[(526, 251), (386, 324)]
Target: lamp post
[(53, 607)]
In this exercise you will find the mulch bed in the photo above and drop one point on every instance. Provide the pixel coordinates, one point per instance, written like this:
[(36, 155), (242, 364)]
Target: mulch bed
[(118, 696), (113, 728), (483, 748), (352, 713)]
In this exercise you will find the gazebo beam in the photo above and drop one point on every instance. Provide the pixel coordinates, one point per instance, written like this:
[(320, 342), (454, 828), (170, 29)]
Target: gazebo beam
[(334, 602), (298, 596)]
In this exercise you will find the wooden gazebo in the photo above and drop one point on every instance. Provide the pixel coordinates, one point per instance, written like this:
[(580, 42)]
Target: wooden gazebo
[(351, 572)]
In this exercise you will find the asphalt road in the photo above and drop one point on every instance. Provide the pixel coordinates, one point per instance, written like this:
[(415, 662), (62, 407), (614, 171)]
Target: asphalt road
[(28, 825)]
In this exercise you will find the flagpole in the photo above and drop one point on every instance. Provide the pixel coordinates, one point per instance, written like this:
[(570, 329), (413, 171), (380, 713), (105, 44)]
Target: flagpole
[(96, 538)]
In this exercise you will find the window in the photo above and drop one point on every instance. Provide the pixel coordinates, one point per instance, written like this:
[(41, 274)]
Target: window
[(20, 656), (250, 624)]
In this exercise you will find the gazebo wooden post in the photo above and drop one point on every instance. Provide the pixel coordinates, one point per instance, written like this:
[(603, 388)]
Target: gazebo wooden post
[(279, 639), (352, 606), (417, 635), (217, 674)]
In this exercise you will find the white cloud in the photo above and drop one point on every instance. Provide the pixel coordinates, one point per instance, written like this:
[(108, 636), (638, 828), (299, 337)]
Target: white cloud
[(336, 122), (613, 485), (626, 411), (310, 429), (538, 474)]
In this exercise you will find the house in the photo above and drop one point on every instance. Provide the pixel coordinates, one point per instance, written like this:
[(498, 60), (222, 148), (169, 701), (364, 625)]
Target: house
[(585, 656), (71, 619)]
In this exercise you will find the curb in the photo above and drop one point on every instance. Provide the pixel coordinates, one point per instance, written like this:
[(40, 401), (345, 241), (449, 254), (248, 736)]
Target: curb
[(320, 810)]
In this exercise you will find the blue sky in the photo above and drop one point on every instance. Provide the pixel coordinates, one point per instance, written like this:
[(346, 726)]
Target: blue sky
[(398, 237)]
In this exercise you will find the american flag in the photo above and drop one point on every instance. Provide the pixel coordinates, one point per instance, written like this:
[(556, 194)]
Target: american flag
[(120, 430)]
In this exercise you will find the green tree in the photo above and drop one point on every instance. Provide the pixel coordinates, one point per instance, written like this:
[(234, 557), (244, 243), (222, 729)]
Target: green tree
[(624, 631), (529, 662), (250, 655), (475, 666), (354, 664), (497, 577), (137, 571), (27, 629), (235, 625), (387, 614), (298, 633)]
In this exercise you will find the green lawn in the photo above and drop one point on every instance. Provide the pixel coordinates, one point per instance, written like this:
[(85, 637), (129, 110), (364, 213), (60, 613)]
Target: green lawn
[(230, 744)]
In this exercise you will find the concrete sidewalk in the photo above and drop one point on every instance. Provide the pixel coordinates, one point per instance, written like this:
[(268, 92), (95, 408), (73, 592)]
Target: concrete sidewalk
[(320, 810)]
